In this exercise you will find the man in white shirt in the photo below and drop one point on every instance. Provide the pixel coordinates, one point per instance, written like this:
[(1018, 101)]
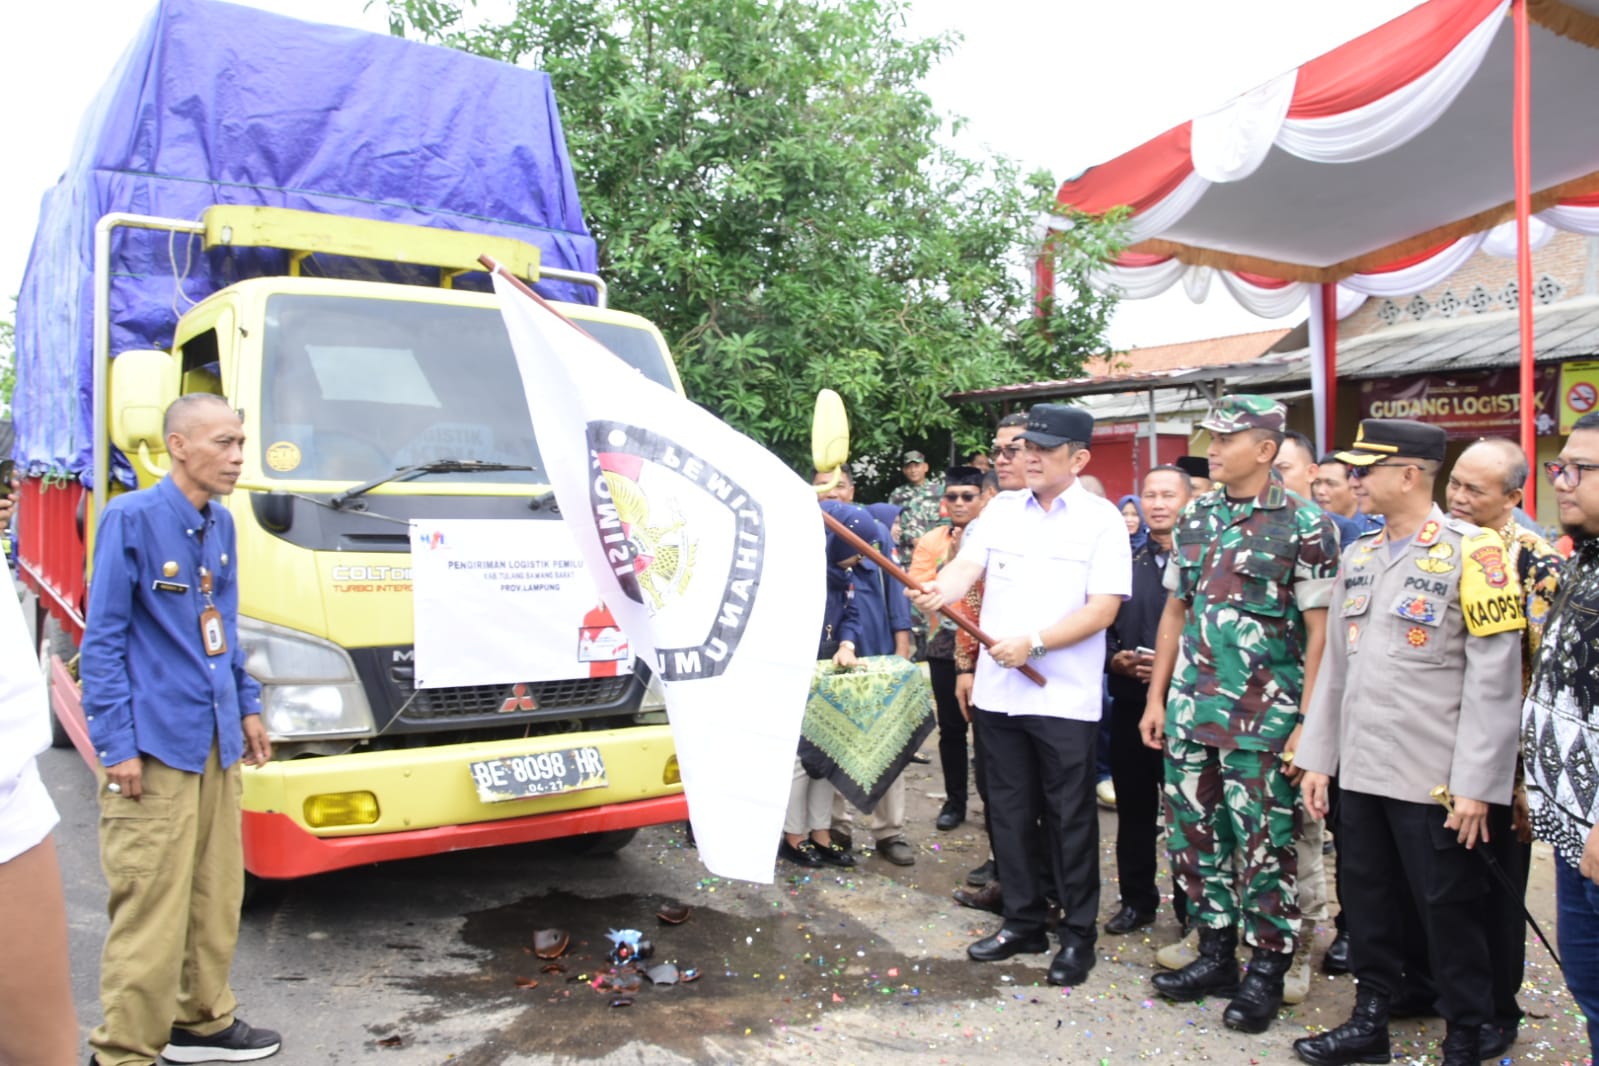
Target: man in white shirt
[(1056, 566)]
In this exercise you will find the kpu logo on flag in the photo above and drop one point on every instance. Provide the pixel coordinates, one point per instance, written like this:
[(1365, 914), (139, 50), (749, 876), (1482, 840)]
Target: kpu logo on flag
[(684, 541)]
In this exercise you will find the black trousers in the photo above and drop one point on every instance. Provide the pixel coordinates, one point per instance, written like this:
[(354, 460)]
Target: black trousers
[(1043, 819), (952, 734), (1137, 773), (1391, 850)]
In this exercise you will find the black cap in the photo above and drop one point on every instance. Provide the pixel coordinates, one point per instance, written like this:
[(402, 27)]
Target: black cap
[(1193, 465), (964, 475), (1380, 438), (1053, 424)]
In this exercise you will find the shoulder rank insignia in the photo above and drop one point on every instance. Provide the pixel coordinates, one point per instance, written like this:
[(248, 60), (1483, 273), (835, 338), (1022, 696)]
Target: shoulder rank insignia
[(1428, 533), (1490, 594)]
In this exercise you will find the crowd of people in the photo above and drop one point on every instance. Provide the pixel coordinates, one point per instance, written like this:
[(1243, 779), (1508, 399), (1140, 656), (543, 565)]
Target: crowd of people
[(1292, 656)]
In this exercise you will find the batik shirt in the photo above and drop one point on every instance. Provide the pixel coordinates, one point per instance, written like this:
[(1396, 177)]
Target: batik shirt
[(1559, 734), (1247, 571), (1538, 567)]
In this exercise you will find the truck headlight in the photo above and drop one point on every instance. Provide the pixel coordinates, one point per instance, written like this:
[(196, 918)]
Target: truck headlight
[(309, 687)]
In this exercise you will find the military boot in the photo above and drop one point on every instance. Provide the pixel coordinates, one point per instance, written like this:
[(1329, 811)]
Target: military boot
[(1214, 973), (1363, 1038), (1260, 993)]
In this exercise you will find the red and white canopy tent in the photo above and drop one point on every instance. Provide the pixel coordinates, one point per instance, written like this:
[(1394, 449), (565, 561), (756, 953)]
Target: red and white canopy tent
[(1427, 119)]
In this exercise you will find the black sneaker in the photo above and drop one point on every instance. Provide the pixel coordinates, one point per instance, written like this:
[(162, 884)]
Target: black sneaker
[(237, 1043)]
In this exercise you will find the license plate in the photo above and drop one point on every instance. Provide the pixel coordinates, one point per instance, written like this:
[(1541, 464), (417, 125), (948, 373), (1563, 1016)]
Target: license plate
[(514, 777)]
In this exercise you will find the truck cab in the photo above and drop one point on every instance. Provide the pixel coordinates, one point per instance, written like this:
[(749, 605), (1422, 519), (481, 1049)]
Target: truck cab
[(370, 404)]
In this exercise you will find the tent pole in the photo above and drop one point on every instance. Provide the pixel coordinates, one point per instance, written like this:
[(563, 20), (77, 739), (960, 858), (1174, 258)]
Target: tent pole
[(1329, 334), (1521, 148), (1154, 433)]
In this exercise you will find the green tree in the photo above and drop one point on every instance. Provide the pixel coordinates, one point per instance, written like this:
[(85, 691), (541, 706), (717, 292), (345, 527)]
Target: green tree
[(766, 183)]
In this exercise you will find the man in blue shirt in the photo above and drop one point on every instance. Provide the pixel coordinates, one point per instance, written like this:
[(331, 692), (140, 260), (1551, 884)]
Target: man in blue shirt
[(171, 713)]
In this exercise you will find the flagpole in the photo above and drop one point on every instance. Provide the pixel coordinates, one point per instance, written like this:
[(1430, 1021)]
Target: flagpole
[(909, 582)]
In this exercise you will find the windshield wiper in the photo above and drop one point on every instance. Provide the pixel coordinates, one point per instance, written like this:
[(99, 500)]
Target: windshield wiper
[(408, 473)]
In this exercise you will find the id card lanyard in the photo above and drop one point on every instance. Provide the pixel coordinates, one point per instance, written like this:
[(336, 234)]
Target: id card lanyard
[(212, 635)]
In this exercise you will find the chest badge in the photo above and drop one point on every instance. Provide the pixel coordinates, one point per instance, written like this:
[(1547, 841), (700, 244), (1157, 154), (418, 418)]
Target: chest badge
[(1433, 565), (1356, 604), (1418, 609), (1352, 635), (1417, 636), (169, 569)]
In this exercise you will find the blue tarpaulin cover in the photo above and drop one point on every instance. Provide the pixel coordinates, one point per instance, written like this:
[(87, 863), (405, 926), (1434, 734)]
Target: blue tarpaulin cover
[(219, 104)]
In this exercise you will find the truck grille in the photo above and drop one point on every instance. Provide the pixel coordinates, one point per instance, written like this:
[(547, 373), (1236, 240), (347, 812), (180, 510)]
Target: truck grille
[(475, 701)]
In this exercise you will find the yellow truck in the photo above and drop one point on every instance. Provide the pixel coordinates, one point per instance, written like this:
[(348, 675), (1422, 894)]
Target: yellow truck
[(349, 324)]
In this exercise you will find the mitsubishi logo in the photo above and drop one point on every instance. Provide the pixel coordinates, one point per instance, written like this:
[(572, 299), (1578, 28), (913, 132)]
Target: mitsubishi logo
[(518, 700)]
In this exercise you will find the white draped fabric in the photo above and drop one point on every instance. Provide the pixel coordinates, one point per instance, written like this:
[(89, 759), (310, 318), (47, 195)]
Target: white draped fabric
[(1423, 275), (1265, 302), (1230, 143), (1500, 241), (1390, 121), (1162, 216), (1573, 218)]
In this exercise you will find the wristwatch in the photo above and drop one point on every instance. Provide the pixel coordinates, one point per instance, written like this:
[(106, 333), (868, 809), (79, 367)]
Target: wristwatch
[(1038, 649)]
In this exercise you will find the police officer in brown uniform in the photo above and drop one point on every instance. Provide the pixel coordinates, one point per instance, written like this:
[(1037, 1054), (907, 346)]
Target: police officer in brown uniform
[(1419, 687)]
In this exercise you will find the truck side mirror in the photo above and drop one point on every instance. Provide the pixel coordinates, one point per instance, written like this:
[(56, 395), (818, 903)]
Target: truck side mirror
[(144, 383), (829, 434)]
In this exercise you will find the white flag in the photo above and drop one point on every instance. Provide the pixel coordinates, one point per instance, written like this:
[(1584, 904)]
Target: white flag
[(709, 552)]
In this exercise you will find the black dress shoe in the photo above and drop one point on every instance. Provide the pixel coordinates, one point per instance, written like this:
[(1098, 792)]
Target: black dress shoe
[(1005, 943), (1071, 965), (843, 839), (1496, 1039), (802, 854), (1336, 960), (953, 814), (1127, 919), (1462, 1046), (983, 874), (833, 855), (989, 898)]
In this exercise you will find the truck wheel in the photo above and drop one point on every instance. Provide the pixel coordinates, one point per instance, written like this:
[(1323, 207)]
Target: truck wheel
[(54, 643), (596, 845)]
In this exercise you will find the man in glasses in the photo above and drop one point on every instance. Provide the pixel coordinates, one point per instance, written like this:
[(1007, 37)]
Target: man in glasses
[(1417, 689), (963, 491), (1239, 641), (1056, 565), (1485, 488), (1560, 733), (1008, 475)]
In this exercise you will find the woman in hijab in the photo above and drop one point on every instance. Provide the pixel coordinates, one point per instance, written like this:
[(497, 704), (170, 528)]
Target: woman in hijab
[(1133, 512)]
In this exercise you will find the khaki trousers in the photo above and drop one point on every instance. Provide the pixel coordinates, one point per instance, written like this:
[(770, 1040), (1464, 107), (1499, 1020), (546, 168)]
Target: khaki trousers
[(174, 862), (1312, 884), (884, 823)]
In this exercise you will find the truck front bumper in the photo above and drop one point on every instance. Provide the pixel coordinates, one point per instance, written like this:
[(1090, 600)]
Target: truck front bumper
[(426, 801)]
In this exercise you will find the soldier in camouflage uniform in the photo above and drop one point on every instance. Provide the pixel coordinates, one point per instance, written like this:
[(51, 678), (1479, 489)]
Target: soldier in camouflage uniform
[(1239, 643), (919, 501)]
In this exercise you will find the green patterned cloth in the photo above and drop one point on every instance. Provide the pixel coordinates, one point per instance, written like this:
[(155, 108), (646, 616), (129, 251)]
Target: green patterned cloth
[(862, 725)]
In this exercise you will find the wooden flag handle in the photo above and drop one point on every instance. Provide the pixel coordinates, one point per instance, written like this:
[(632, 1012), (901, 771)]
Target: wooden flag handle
[(905, 579)]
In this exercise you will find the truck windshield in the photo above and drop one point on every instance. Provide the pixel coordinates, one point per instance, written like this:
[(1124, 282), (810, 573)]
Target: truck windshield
[(355, 388)]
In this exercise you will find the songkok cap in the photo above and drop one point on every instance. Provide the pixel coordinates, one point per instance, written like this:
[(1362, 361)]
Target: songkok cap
[(1379, 438), (1053, 424), (1240, 412), (964, 475), (914, 456), (1193, 465)]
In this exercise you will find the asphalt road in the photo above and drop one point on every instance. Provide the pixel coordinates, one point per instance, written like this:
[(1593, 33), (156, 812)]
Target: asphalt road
[(429, 961)]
